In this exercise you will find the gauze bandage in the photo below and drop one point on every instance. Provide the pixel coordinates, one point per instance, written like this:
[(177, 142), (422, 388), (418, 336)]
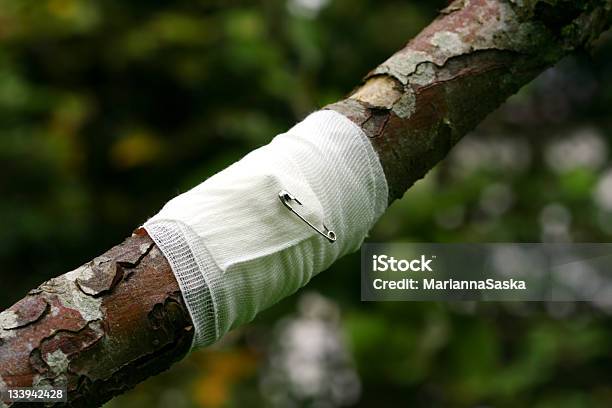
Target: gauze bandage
[(236, 249)]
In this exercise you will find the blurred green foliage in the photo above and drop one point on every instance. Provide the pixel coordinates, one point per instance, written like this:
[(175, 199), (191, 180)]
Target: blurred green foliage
[(108, 109)]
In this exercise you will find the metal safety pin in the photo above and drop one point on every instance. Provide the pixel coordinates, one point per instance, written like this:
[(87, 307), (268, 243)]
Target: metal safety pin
[(286, 197)]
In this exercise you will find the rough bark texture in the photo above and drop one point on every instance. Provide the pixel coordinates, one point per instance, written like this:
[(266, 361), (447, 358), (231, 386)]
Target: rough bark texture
[(111, 323), (100, 329), (421, 101)]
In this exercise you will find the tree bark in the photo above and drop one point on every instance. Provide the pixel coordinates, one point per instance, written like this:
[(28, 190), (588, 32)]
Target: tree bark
[(421, 101), (101, 329)]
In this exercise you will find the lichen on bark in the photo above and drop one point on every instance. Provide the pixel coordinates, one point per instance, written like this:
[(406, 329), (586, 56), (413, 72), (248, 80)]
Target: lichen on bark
[(98, 329), (419, 102)]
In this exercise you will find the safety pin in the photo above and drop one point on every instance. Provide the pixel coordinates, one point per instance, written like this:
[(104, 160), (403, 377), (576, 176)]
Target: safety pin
[(286, 197)]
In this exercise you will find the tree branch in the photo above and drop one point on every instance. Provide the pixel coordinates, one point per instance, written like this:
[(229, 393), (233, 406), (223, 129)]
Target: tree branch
[(421, 101), (106, 326), (100, 329)]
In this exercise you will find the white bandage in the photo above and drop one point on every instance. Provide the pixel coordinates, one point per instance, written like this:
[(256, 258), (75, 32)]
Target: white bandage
[(236, 249)]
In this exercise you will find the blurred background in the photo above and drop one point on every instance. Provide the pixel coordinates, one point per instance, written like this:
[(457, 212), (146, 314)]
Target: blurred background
[(108, 109)]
